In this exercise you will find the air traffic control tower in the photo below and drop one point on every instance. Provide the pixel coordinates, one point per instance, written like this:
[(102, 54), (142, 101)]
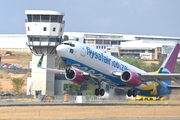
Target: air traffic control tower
[(44, 30)]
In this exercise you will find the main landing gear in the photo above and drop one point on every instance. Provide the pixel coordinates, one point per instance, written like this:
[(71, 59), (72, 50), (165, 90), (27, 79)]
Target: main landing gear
[(131, 92), (98, 91)]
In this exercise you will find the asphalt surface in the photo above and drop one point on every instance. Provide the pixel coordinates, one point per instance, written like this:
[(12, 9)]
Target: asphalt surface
[(114, 119), (3, 104), (77, 104)]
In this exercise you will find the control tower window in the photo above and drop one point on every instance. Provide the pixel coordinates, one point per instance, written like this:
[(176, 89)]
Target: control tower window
[(60, 18), (44, 39), (44, 18), (36, 18), (29, 18), (52, 39), (54, 18), (44, 28), (36, 39), (54, 29)]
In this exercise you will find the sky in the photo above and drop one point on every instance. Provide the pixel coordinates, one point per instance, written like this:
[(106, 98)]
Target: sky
[(137, 17)]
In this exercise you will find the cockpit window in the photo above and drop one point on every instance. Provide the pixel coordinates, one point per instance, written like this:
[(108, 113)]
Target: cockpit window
[(69, 43)]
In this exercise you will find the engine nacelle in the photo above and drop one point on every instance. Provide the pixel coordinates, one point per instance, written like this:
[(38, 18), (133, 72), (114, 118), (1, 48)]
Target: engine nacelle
[(131, 78), (75, 76)]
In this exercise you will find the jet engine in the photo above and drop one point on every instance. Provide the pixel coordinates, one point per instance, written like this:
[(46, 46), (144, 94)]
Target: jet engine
[(75, 76), (131, 78)]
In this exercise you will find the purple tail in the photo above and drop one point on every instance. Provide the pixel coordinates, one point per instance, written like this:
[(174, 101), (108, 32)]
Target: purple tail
[(170, 62)]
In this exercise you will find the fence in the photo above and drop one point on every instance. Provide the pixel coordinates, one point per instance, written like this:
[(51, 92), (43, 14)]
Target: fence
[(88, 99)]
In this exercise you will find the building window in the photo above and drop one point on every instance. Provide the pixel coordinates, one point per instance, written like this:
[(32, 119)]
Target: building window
[(44, 18), (106, 41), (98, 41), (44, 28), (29, 18), (89, 41), (104, 47), (97, 47), (54, 18), (36, 18), (54, 29), (28, 29), (61, 30)]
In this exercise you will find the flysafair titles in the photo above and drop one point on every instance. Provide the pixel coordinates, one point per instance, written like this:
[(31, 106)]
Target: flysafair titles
[(101, 57)]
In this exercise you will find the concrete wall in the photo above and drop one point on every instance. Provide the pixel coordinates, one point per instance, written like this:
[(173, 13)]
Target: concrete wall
[(43, 80)]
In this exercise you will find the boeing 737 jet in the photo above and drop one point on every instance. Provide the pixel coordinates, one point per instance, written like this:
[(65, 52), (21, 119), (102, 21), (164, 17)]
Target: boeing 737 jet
[(85, 62)]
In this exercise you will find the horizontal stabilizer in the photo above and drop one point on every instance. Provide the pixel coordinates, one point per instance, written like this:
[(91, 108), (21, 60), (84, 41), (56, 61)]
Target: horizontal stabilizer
[(172, 87)]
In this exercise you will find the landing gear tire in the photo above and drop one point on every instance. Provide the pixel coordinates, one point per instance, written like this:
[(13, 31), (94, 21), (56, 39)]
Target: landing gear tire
[(129, 93), (101, 92), (97, 92), (134, 93)]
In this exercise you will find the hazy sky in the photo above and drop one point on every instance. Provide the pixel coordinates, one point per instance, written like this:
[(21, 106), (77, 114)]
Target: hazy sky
[(142, 17)]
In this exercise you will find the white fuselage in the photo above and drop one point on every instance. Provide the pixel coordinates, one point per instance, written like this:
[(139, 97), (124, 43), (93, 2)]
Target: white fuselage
[(94, 61)]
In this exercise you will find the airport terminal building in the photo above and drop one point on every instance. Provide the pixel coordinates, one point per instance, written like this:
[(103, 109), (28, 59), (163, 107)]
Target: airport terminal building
[(138, 46)]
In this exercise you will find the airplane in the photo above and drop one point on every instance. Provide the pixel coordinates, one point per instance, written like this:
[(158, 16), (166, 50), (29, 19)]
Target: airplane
[(85, 62)]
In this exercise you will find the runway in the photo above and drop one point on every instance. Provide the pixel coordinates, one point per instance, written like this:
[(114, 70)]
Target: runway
[(127, 119), (55, 111), (80, 104)]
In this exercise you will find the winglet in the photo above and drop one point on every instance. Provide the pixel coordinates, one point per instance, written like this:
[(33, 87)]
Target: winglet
[(40, 61), (39, 65)]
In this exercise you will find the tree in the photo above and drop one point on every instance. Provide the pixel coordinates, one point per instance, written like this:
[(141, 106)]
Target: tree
[(1, 88), (90, 89), (65, 38), (177, 67), (72, 89), (140, 64), (59, 63), (134, 61), (8, 52), (17, 84)]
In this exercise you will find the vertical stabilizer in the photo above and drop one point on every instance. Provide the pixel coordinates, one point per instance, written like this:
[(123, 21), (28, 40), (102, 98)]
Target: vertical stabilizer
[(170, 62)]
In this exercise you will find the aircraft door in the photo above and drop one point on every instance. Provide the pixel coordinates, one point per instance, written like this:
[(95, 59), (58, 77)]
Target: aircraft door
[(83, 51)]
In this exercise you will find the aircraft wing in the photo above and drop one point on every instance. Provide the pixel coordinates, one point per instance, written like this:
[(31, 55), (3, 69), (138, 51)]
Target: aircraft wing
[(39, 65), (173, 87)]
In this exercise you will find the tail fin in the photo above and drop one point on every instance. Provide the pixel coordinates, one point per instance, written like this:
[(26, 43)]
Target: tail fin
[(170, 62)]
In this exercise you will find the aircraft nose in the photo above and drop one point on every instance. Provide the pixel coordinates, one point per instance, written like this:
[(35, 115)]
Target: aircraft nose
[(61, 49)]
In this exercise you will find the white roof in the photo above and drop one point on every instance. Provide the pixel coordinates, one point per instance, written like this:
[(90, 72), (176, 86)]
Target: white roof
[(13, 41), (142, 44), (125, 36), (43, 12)]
